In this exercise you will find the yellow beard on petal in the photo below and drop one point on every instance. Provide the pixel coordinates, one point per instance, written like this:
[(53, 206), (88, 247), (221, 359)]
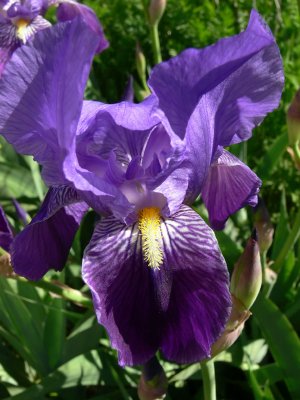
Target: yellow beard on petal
[(22, 25), (149, 225)]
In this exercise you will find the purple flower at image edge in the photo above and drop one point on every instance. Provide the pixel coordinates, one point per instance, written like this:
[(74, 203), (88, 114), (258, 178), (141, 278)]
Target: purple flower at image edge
[(20, 20), (157, 276)]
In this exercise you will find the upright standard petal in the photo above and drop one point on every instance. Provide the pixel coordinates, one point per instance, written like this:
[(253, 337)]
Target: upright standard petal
[(180, 82), (41, 94), (6, 234), (45, 243), (216, 96), (180, 307), (124, 153), (230, 185), (69, 9), (103, 130), (25, 9)]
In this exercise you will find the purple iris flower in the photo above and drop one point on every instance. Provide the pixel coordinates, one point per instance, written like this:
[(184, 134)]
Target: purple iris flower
[(157, 276), (21, 19)]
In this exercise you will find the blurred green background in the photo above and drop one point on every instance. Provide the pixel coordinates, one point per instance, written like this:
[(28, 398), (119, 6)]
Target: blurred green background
[(50, 343)]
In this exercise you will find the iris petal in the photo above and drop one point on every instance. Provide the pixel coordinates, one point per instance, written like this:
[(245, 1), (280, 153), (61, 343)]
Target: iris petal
[(48, 76), (229, 186), (8, 42), (46, 241), (68, 10), (216, 96), (180, 82), (199, 302), (27, 29), (123, 290), (180, 307)]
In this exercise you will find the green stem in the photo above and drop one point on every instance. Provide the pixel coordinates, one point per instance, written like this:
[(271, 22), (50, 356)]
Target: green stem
[(289, 243), (155, 43), (61, 290), (267, 285), (209, 380), (296, 149), (145, 86), (36, 176), (263, 258), (244, 152)]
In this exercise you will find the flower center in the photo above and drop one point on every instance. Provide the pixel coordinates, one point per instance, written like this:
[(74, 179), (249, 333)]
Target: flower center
[(149, 225), (22, 25)]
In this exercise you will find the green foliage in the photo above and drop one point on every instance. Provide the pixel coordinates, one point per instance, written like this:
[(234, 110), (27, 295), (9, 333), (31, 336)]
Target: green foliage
[(50, 343)]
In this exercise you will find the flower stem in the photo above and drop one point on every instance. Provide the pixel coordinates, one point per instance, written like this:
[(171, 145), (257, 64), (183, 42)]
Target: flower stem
[(36, 176), (296, 149), (209, 380), (263, 258), (155, 43), (289, 243)]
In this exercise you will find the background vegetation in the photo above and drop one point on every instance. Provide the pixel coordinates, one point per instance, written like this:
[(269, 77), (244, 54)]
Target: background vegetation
[(50, 343)]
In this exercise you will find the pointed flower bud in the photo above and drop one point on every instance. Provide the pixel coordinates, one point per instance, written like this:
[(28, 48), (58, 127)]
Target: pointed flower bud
[(156, 10), (140, 62), (247, 275), (293, 120), (128, 94), (153, 383), (21, 213), (263, 225), (234, 327)]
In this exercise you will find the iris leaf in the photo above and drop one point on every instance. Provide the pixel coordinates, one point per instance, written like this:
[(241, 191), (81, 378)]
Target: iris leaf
[(283, 227), (83, 338), (16, 181), (283, 341), (272, 156), (24, 327), (268, 374), (85, 370), (54, 332)]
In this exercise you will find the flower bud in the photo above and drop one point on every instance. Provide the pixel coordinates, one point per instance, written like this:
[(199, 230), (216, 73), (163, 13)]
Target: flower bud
[(234, 327), (293, 120), (263, 225), (246, 279), (156, 10), (21, 213), (140, 62), (153, 383), (128, 94)]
